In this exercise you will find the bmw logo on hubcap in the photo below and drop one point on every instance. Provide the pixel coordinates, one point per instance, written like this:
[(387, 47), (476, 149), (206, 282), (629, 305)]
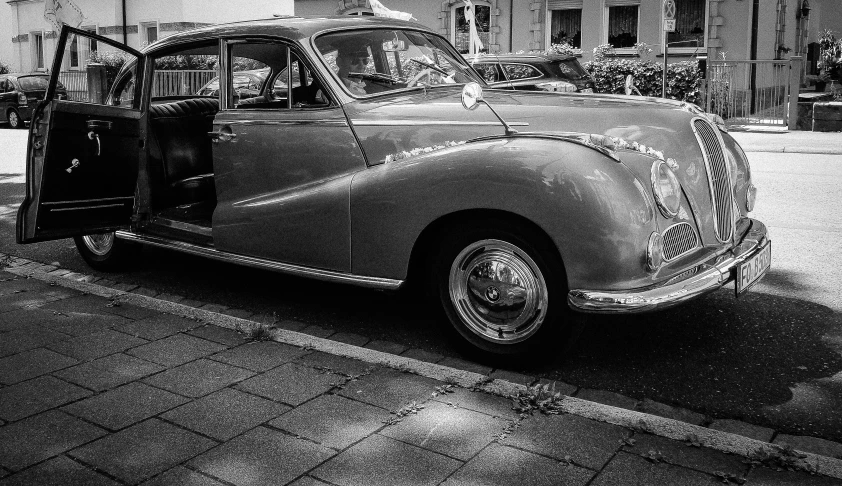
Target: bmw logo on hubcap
[(492, 294)]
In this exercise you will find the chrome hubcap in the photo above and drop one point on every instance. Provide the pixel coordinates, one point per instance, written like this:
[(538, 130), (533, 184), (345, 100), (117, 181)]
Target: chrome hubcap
[(99, 244), (13, 119), (498, 291)]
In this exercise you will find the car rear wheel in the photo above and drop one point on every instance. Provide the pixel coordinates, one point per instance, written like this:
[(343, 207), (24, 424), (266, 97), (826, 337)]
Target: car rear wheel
[(14, 119), (501, 289), (105, 251)]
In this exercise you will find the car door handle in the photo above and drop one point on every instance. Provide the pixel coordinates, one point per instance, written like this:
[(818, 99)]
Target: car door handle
[(222, 136), (99, 125)]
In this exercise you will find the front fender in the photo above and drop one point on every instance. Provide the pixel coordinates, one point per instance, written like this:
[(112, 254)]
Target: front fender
[(594, 209)]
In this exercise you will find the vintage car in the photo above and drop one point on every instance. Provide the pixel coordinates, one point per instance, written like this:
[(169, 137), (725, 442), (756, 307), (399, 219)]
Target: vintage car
[(533, 72), (392, 163)]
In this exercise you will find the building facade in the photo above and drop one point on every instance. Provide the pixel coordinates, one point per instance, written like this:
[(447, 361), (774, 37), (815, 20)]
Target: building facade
[(29, 40)]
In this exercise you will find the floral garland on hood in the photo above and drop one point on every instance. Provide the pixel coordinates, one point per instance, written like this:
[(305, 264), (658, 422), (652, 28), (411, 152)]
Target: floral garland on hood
[(404, 154)]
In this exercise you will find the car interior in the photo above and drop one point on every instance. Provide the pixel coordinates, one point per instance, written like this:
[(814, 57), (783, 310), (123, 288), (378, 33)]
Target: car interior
[(182, 194)]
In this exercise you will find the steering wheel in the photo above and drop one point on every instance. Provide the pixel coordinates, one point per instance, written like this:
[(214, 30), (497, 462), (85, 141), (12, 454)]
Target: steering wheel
[(424, 72)]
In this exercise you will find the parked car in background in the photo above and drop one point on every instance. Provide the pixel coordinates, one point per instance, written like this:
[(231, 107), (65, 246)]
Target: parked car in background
[(505, 210), (533, 72), (19, 93), (246, 83)]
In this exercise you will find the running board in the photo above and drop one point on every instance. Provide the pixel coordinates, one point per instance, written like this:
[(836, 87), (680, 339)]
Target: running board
[(308, 272)]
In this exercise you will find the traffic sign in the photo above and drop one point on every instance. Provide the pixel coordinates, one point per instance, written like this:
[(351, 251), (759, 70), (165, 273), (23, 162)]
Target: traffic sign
[(669, 25), (669, 10)]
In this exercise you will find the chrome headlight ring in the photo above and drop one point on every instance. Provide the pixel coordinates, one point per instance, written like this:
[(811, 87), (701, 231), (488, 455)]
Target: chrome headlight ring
[(655, 251), (666, 189)]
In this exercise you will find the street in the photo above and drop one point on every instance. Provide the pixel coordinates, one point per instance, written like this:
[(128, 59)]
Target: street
[(773, 357)]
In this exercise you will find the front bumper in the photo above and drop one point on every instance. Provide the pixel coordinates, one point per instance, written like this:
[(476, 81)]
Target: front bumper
[(690, 284)]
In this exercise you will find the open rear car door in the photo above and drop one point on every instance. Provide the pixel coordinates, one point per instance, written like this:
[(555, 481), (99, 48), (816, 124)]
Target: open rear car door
[(84, 150)]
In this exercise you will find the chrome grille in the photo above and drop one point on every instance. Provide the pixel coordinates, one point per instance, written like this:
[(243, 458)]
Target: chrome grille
[(678, 240), (720, 182)]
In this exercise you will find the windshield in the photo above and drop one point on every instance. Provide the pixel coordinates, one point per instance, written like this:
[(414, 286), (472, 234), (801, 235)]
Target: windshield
[(34, 82), (374, 61)]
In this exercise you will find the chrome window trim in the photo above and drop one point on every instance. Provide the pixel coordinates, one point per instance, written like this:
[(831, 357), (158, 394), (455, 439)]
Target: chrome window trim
[(730, 191), (689, 250)]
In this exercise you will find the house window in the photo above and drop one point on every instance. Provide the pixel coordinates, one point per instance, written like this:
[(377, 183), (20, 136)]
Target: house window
[(565, 22), (37, 50), (148, 33), (90, 44), (74, 52), (622, 19), (461, 30), (690, 21)]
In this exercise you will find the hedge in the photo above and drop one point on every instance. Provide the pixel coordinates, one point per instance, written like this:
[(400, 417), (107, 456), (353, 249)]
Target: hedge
[(683, 78), (4, 68)]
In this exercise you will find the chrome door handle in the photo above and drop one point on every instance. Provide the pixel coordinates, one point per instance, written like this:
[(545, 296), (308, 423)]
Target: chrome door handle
[(94, 136), (222, 136)]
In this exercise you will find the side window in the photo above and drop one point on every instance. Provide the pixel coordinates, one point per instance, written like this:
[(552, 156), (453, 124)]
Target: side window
[(113, 64), (488, 71), (124, 88), (516, 72), (3, 86), (261, 79), (187, 73)]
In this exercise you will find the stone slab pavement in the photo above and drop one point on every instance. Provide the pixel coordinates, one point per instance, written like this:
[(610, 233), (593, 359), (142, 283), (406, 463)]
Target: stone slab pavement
[(97, 390), (780, 140)]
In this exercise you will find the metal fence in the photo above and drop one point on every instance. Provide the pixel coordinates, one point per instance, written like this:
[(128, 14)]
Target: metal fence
[(167, 83), (76, 83), (749, 92)]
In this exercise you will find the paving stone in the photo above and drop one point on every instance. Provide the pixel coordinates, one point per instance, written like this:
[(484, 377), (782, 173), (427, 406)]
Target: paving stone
[(59, 272), (35, 396), (123, 287), (192, 303), (495, 466), (81, 324), (390, 389), (88, 304), (815, 445), (22, 300), (198, 378), (386, 346), (587, 442), (14, 342), (158, 326), (11, 284), (238, 313), (681, 454), (106, 282), (318, 331), (676, 413), (97, 345), (559, 386), (32, 363), (350, 338), (379, 460), (308, 481), (124, 406), (59, 471), (176, 350), (607, 398), (422, 355), (454, 432), (170, 297), (143, 450), (336, 364), (513, 377), (87, 278), (131, 311), (145, 291), (108, 372), (763, 476), (479, 402), (217, 334), (743, 428), (37, 438), (261, 457), (213, 308), (181, 476), (225, 414), (290, 325), (624, 466), (291, 383), (332, 420), (465, 365), (260, 356), (266, 319), (46, 269)]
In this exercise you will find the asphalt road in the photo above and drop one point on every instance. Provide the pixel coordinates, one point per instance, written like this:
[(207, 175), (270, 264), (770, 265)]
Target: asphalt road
[(772, 357)]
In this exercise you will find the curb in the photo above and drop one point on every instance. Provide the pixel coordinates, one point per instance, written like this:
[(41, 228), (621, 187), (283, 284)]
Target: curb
[(640, 421)]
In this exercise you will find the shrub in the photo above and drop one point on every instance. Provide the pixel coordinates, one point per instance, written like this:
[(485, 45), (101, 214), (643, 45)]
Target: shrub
[(4, 68), (683, 78), (112, 60)]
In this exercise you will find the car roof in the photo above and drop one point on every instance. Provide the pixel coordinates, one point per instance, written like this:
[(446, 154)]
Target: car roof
[(519, 57), (290, 27)]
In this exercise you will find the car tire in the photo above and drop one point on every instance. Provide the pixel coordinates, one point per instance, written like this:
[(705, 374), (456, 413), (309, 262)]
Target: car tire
[(106, 252), (14, 119), (497, 318)]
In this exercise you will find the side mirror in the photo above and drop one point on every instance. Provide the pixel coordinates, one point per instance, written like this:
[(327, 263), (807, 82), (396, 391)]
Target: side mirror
[(471, 96)]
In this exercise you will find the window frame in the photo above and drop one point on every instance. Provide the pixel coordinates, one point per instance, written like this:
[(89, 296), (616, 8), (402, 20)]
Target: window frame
[(689, 50), (549, 23), (606, 22), (452, 30), (37, 51), (142, 27)]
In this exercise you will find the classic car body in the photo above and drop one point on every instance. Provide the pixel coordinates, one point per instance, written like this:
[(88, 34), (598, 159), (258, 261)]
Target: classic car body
[(509, 214)]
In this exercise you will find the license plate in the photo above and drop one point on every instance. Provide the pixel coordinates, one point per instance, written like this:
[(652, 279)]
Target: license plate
[(749, 272), (586, 90)]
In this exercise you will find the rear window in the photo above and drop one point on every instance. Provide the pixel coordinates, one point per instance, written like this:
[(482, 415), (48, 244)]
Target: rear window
[(33, 82), (571, 69)]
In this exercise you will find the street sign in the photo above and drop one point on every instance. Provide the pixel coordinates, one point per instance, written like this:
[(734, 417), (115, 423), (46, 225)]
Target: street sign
[(669, 25), (669, 10)]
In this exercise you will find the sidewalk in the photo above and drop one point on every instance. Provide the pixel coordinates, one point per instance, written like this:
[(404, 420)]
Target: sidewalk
[(96, 389), (780, 140)]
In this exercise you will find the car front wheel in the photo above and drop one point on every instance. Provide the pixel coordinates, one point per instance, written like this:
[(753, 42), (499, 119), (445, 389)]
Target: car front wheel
[(14, 119), (105, 251), (501, 290)]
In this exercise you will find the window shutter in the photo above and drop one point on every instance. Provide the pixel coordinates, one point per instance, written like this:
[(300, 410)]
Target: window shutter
[(563, 4)]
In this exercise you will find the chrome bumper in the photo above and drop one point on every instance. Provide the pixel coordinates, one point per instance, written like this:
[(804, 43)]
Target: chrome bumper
[(706, 278)]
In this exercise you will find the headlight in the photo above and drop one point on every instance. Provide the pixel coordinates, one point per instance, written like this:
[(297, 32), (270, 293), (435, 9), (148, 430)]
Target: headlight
[(666, 189), (751, 196), (22, 101), (655, 251), (560, 86)]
